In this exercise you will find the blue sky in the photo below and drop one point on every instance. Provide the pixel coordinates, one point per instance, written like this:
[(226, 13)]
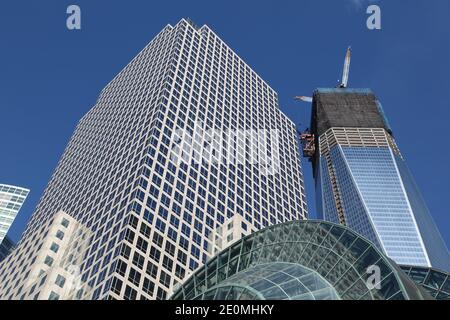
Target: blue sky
[(50, 76)]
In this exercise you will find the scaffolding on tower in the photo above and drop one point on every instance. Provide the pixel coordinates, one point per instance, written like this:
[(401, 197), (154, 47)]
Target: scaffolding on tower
[(308, 144)]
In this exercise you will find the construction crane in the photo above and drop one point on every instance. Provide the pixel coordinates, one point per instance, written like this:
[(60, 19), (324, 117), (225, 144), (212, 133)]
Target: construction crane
[(303, 98), (345, 75), (306, 137)]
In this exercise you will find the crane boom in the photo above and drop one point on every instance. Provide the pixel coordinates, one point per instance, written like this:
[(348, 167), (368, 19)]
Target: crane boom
[(303, 98), (346, 71), (345, 75)]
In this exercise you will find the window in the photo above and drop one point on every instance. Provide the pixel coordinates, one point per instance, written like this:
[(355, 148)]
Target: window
[(174, 221), (142, 244), (121, 268), (116, 285), (133, 221), (163, 212), (155, 253), (145, 230), (134, 277), (192, 264), (161, 226), (54, 247), (130, 293), (148, 286), (125, 251), (184, 243), (65, 222), (182, 257), (161, 294), (172, 234), (179, 271), (148, 216), (138, 260), (167, 263), (129, 235), (164, 279), (48, 261), (195, 251), (60, 234), (152, 270), (197, 238), (185, 230), (60, 281), (53, 296), (42, 280), (170, 248)]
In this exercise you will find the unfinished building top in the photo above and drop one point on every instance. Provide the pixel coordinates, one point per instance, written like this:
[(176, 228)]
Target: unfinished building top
[(346, 107)]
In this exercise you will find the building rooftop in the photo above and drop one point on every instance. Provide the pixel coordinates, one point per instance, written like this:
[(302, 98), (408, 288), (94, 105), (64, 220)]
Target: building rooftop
[(346, 107)]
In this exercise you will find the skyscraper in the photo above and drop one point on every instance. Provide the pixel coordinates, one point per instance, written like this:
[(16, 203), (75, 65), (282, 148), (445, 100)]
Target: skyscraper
[(362, 180), (11, 200), (160, 163)]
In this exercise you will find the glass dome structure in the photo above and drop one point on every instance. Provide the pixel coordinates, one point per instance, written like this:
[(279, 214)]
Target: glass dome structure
[(273, 281), (296, 260), (436, 282)]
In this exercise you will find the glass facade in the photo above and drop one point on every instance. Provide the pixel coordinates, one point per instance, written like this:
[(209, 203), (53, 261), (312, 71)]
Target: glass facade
[(300, 260), (375, 202), (273, 281), (362, 180), (11, 200)]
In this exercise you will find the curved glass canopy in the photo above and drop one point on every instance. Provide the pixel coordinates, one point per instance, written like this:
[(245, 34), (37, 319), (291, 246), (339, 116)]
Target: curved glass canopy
[(330, 257), (436, 282), (273, 281)]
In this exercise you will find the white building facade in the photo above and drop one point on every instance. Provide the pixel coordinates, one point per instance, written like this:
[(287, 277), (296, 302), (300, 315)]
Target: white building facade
[(11, 200), (184, 138)]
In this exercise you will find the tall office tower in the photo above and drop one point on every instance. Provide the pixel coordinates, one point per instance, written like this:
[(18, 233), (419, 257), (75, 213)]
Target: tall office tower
[(148, 209), (362, 180), (11, 200)]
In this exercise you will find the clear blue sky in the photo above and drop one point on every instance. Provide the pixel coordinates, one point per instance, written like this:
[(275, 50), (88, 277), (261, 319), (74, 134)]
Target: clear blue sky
[(50, 76)]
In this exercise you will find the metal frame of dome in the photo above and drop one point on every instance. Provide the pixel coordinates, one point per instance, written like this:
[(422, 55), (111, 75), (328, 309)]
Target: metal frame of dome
[(336, 253), (435, 281), (273, 281)]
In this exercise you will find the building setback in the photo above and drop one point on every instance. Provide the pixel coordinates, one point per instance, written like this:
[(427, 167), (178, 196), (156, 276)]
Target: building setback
[(149, 213)]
